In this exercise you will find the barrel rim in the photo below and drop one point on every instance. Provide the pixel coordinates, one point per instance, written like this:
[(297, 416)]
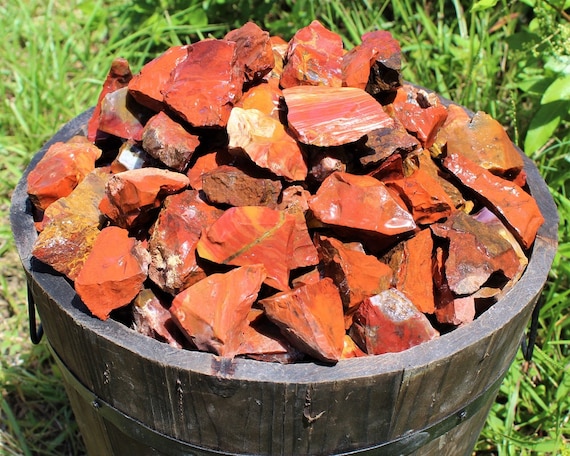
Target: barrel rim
[(522, 294)]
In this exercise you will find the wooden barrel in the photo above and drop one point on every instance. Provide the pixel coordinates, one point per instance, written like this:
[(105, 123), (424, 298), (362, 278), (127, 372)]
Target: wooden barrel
[(134, 395)]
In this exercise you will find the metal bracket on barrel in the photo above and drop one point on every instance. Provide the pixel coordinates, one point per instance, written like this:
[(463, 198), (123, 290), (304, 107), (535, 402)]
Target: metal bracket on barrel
[(36, 331), (527, 345)]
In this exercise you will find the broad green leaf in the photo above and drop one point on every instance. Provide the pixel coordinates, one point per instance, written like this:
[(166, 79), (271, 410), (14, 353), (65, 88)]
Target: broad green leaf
[(558, 90), (544, 123), (483, 5)]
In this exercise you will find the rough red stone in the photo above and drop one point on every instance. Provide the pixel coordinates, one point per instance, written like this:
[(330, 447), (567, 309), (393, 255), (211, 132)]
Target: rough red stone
[(264, 97), (230, 185), (167, 141), (250, 235), (130, 195), (113, 273), (389, 322), (152, 318), (412, 263), (266, 142), (356, 274), (264, 342), (384, 142), (147, 86), (444, 298), (311, 318), (308, 278), (120, 116), (175, 234), (205, 164), (333, 116), (118, 77), (71, 225), (360, 202), (424, 196), (480, 139), (254, 51), (419, 113), (515, 206), (279, 47), (313, 58), (374, 65), (476, 250), (204, 87), (59, 171), (350, 349), (213, 312)]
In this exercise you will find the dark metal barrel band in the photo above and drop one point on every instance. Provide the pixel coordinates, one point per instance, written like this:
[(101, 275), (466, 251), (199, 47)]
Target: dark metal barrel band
[(408, 443)]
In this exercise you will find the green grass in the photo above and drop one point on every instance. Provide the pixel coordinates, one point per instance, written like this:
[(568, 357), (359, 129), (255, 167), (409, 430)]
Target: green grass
[(501, 59)]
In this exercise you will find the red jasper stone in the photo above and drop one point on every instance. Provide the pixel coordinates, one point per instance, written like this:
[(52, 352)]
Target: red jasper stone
[(167, 141), (389, 322), (59, 171), (350, 349), (249, 235), (206, 163), (360, 202), (374, 65), (204, 87), (71, 225), (118, 77), (480, 139), (130, 195), (333, 116), (152, 318), (412, 263), (419, 113), (175, 234), (311, 319), (510, 202), (356, 274), (253, 50), (113, 273), (264, 97), (313, 58), (267, 143), (385, 142), (147, 86), (119, 117), (230, 185), (213, 312), (424, 196), (488, 251)]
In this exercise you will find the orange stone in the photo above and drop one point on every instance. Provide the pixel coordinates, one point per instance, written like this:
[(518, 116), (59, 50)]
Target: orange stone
[(204, 87), (480, 139), (333, 116), (118, 77), (356, 274), (71, 225), (360, 202), (313, 58), (175, 234), (410, 260), (59, 171), (213, 312), (267, 143), (374, 65), (147, 86), (130, 195), (254, 51), (250, 235), (388, 323), (350, 349), (510, 202), (167, 141), (424, 196), (311, 319), (113, 273), (264, 97)]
